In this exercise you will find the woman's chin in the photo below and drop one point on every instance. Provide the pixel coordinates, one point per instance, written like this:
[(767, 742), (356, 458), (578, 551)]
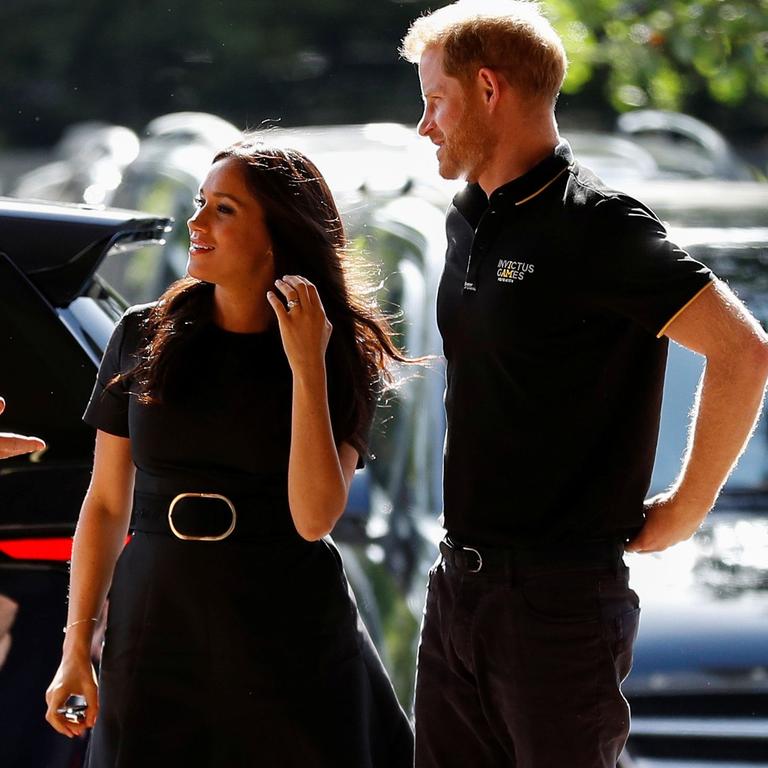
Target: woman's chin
[(193, 270)]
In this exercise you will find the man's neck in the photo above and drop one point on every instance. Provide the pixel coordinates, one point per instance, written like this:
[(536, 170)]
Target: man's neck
[(514, 158)]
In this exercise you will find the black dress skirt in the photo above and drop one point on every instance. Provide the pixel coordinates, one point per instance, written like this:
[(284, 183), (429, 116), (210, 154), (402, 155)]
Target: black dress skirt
[(247, 651)]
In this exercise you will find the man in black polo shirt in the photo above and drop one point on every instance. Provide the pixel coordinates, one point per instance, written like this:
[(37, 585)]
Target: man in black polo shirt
[(555, 306)]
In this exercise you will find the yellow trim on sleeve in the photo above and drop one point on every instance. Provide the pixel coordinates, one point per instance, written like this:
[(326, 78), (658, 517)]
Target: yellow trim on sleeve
[(683, 308)]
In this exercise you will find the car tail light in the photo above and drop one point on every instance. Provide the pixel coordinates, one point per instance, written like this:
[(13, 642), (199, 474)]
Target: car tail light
[(53, 549), (59, 549)]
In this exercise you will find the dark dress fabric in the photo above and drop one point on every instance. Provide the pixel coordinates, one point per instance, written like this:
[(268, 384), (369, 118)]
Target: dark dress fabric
[(238, 652)]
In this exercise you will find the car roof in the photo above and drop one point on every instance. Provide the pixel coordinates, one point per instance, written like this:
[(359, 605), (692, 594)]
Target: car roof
[(704, 202), (59, 246)]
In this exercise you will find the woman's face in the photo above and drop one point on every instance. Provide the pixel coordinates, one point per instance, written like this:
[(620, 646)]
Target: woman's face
[(228, 240)]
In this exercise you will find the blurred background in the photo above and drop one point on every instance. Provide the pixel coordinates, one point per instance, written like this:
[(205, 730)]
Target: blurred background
[(335, 61), (124, 105)]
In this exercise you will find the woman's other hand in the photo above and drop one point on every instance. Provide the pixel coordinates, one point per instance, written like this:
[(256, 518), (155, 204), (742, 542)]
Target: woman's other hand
[(74, 677), (304, 327)]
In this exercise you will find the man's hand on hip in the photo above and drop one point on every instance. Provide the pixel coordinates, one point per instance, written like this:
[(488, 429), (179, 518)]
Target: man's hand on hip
[(667, 522)]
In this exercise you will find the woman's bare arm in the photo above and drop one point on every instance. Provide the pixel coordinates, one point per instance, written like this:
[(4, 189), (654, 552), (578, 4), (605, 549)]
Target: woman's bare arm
[(99, 539), (319, 473)]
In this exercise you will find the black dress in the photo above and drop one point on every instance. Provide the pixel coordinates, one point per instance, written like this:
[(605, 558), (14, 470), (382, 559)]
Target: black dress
[(241, 652)]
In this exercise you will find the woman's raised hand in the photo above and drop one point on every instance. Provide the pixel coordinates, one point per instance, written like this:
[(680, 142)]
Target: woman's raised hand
[(304, 327)]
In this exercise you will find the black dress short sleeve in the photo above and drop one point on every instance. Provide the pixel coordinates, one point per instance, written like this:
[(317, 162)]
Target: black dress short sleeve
[(107, 408), (639, 272)]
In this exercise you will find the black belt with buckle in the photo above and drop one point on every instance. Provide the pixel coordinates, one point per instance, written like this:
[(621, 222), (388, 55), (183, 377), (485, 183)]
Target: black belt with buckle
[(499, 559), (208, 516)]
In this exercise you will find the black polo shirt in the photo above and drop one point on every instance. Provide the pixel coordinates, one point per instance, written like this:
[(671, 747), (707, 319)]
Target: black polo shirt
[(552, 306)]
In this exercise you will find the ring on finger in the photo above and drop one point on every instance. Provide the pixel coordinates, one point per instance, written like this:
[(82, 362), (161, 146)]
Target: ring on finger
[(293, 303)]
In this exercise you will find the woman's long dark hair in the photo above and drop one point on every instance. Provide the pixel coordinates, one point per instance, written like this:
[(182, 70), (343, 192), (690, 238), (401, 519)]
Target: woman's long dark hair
[(307, 239)]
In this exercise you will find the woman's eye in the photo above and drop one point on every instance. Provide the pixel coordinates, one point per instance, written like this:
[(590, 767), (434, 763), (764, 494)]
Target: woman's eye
[(198, 201), (224, 209)]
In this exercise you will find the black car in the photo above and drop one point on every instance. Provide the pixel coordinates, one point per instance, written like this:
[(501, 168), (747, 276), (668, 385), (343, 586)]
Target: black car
[(56, 315)]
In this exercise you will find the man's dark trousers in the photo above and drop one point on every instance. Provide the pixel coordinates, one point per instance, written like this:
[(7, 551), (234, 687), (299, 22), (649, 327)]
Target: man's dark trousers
[(520, 663)]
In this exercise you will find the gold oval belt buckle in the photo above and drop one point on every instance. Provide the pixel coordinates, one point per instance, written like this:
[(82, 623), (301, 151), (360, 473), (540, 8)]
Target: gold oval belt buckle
[(186, 537)]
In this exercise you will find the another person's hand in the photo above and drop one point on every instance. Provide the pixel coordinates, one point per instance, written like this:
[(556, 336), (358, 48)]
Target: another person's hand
[(15, 445), (667, 522), (304, 327), (9, 609), (74, 677)]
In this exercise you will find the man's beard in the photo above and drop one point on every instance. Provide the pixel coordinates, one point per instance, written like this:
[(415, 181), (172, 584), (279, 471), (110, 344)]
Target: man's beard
[(468, 149)]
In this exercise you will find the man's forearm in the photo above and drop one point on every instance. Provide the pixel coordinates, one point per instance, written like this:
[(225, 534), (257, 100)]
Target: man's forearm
[(719, 327), (728, 403)]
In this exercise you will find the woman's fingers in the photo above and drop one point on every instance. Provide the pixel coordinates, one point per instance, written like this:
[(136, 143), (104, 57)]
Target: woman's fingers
[(277, 305), (91, 694), (301, 286), (312, 293), (314, 296), (288, 291), (56, 698), (80, 681), (92, 697)]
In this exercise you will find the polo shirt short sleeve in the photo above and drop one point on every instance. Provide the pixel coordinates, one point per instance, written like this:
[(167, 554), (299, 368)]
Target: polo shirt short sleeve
[(636, 270)]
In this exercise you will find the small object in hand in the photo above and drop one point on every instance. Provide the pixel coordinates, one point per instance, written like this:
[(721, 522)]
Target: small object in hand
[(75, 713)]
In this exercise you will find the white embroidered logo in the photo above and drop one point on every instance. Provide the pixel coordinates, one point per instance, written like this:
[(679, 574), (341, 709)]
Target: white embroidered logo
[(509, 271)]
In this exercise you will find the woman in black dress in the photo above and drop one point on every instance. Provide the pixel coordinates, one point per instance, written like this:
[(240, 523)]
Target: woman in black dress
[(230, 417)]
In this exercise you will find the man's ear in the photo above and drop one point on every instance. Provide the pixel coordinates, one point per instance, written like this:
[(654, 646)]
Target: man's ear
[(489, 86)]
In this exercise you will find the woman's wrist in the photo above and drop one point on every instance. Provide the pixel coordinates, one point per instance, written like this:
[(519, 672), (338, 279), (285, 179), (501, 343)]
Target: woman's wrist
[(78, 635), (311, 374), (78, 645), (78, 622)]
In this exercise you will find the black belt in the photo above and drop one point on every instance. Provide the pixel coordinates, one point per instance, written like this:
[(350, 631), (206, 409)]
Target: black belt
[(208, 516), (470, 559)]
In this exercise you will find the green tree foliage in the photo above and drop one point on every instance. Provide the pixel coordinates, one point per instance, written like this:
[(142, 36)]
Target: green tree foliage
[(325, 61), (247, 60), (667, 53)]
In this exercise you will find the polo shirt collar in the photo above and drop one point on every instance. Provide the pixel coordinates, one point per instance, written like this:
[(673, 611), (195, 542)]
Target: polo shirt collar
[(471, 201)]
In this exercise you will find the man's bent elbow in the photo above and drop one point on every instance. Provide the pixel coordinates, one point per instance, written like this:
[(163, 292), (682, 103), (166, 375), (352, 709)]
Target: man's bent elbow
[(745, 360), (756, 356)]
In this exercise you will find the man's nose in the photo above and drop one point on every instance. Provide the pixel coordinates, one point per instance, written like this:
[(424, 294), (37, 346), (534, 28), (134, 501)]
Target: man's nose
[(425, 124)]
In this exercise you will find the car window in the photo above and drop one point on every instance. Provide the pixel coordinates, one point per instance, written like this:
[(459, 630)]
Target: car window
[(137, 277), (46, 374), (744, 266), (400, 294), (142, 275)]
